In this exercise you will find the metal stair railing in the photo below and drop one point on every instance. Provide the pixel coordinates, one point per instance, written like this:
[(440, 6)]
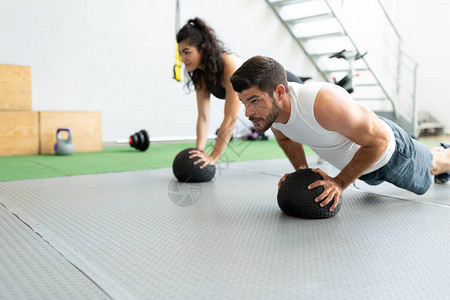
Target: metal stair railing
[(386, 94), (334, 12), (273, 5)]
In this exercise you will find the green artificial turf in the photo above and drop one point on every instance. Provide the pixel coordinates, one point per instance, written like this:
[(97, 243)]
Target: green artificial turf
[(125, 158)]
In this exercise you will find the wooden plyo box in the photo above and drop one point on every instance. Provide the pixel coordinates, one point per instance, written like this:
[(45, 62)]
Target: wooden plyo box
[(86, 128), (15, 87), (19, 133)]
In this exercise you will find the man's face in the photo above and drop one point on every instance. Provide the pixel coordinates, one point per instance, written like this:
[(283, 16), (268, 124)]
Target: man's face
[(260, 108)]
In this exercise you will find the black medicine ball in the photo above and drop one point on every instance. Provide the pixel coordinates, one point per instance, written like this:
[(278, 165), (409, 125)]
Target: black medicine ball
[(185, 170), (296, 200)]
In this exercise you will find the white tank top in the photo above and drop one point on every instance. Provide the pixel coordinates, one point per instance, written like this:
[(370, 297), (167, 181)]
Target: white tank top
[(332, 146)]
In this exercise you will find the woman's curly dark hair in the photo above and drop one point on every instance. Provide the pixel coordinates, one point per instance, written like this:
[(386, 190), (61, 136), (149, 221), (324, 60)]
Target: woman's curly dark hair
[(201, 36)]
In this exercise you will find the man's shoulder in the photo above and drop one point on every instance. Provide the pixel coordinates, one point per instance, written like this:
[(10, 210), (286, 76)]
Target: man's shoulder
[(308, 85), (309, 88)]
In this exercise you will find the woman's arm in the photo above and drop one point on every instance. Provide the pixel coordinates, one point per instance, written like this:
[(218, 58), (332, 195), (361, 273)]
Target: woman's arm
[(231, 111), (231, 108), (203, 117)]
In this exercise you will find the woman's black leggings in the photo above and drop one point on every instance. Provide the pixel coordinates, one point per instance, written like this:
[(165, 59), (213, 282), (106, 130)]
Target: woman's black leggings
[(292, 78)]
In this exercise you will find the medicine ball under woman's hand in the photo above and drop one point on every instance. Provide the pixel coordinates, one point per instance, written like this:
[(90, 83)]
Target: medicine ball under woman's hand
[(185, 170)]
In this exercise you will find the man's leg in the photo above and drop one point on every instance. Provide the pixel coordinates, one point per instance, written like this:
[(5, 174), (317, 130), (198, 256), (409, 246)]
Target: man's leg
[(410, 164)]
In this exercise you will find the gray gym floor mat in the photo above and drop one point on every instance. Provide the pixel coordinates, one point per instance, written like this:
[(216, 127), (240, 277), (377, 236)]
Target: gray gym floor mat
[(143, 235), (438, 193), (32, 269)]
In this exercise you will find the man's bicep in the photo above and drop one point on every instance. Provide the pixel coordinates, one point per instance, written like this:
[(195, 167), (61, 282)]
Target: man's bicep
[(361, 125), (337, 111)]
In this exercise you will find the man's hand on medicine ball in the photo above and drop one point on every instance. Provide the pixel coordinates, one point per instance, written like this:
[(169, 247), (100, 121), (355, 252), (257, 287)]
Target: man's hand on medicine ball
[(332, 189)]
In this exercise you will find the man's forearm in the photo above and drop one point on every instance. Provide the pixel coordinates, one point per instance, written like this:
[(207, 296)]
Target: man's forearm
[(363, 159), (295, 153)]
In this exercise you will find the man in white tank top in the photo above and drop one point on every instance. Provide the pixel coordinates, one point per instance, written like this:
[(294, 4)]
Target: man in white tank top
[(343, 132)]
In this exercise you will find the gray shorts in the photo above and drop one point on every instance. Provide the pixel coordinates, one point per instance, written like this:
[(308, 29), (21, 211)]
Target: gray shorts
[(409, 166)]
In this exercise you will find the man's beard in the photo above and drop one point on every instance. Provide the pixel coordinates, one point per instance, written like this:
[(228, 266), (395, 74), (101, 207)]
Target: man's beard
[(268, 121)]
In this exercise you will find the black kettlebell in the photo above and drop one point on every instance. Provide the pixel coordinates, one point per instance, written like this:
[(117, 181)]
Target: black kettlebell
[(295, 199)]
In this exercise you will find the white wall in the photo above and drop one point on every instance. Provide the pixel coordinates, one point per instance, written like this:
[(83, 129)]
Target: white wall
[(425, 30), (117, 56)]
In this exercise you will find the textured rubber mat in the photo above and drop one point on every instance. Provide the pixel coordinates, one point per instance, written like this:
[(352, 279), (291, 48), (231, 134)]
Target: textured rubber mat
[(32, 269), (438, 193), (143, 235)]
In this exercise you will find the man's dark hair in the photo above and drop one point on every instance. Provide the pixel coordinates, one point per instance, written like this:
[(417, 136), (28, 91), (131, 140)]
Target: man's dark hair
[(263, 72)]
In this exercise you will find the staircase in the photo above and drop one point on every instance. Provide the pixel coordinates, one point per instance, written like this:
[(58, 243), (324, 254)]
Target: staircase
[(384, 80)]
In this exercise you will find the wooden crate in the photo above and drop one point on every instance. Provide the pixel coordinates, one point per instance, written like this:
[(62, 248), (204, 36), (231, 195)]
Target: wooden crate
[(86, 127), (15, 87), (19, 133)]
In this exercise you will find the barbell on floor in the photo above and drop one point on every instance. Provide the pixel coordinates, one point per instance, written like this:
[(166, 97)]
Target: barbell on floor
[(141, 140)]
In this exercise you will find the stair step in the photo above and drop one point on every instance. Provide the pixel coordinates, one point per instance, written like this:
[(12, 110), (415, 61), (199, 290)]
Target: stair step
[(288, 2), (384, 113), (317, 17), (327, 36), (344, 70), (327, 54), (431, 125), (370, 98), (367, 84), (321, 36)]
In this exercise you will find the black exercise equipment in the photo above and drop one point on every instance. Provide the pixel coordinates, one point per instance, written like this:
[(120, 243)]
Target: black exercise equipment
[(347, 81), (185, 171), (296, 200), (140, 140), (304, 78), (293, 78)]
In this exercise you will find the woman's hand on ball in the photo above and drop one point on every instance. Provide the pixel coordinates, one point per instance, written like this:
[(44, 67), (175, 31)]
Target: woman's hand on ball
[(205, 159), (331, 189)]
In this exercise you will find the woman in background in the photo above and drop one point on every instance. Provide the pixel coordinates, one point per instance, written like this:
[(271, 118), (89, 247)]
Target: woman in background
[(209, 67)]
